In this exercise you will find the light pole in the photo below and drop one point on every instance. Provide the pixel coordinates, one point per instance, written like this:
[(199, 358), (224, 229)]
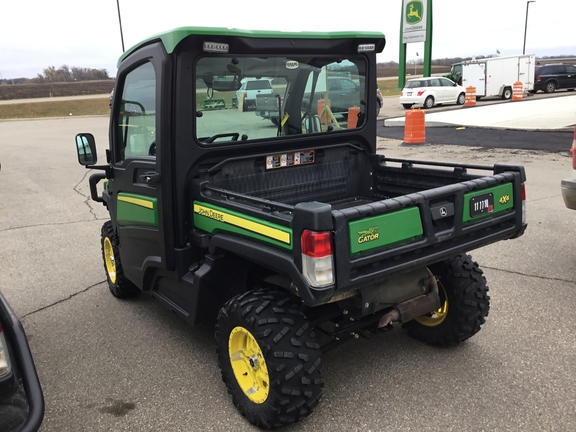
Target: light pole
[(415, 63), (526, 24), (120, 22)]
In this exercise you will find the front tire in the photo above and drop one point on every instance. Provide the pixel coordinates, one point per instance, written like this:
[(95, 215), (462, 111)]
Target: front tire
[(119, 286), (269, 358), (464, 304)]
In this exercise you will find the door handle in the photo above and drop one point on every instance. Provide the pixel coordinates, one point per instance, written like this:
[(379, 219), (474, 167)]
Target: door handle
[(150, 177)]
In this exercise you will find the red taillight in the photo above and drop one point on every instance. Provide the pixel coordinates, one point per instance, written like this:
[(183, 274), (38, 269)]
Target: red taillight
[(421, 92), (316, 244), (523, 192), (317, 262), (538, 78), (523, 203), (5, 366)]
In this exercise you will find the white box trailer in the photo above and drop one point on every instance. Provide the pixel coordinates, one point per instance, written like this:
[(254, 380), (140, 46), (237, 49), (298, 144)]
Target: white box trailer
[(496, 76)]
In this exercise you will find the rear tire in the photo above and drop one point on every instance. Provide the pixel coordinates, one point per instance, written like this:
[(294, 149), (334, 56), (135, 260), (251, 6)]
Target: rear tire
[(507, 93), (550, 87), (464, 304), (269, 358), (461, 99), (119, 286), (14, 411), (429, 102), (407, 106)]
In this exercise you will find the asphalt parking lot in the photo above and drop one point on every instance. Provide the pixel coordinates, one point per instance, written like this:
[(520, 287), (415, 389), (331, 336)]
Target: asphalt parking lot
[(540, 122), (110, 365)]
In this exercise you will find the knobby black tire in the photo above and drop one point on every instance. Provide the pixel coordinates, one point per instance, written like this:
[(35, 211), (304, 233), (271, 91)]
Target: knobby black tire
[(121, 287), (289, 347), (13, 411), (462, 282)]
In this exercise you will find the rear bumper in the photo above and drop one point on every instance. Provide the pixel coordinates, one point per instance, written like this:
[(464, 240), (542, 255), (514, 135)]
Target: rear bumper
[(417, 100), (569, 193)]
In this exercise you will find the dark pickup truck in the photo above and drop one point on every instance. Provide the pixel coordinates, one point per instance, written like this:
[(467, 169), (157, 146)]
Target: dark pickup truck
[(294, 237), (341, 92)]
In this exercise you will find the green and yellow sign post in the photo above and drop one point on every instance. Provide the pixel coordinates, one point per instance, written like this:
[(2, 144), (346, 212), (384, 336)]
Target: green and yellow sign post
[(415, 26)]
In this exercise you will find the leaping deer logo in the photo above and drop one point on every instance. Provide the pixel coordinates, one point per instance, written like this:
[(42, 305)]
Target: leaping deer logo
[(414, 12), (368, 231)]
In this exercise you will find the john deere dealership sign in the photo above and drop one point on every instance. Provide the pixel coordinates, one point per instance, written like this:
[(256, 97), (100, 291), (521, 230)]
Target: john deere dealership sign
[(414, 21)]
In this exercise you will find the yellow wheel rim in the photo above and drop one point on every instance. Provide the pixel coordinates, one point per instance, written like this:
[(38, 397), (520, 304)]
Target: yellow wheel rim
[(248, 365), (439, 315), (109, 260)]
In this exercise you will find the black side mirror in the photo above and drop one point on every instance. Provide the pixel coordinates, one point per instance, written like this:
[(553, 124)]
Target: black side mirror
[(86, 148)]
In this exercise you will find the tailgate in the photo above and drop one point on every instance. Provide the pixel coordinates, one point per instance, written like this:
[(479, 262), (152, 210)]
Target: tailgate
[(422, 228)]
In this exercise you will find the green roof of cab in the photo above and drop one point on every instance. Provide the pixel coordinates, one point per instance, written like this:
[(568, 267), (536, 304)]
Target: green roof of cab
[(171, 38)]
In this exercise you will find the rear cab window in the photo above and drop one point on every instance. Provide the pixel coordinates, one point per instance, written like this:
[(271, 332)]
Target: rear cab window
[(300, 96)]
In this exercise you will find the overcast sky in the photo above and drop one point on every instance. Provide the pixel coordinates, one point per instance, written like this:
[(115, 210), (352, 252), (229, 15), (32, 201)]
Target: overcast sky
[(35, 34)]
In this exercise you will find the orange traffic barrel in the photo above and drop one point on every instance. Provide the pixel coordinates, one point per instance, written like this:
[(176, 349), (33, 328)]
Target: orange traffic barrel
[(353, 113), (470, 97), (517, 91), (414, 127)]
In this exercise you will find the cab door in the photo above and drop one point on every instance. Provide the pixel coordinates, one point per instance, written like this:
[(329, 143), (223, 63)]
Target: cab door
[(135, 186)]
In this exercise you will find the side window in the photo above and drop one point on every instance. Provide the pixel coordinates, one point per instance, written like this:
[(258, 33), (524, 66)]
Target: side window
[(571, 69), (554, 70), (334, 84), (348, 85), (137, 115)]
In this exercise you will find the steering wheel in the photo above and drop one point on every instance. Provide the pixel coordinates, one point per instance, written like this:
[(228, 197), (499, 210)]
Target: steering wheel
[(234, 135)]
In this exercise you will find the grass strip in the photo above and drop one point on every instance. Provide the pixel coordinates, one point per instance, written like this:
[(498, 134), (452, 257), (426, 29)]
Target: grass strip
[(55, 109)]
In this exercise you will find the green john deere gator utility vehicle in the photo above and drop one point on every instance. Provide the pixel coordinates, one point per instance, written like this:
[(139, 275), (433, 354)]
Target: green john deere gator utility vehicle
[(294, 235)]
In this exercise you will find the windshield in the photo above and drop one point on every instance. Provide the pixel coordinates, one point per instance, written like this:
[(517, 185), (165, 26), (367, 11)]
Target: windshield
[(249, 98)]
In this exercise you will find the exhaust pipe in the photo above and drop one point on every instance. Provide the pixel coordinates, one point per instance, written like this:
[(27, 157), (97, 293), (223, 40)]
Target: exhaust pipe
[(414, 307)]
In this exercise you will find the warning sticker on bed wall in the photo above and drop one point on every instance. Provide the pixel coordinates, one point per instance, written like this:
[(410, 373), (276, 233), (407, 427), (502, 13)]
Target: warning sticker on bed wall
[(289, 159)]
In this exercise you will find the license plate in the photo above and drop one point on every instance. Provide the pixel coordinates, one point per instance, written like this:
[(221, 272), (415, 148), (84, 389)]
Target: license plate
[(409, 94), (481, 204)]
